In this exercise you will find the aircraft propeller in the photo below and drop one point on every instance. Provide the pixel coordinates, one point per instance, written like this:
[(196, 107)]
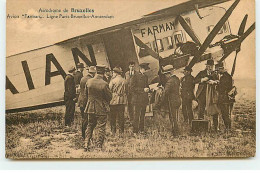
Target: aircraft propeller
[(212, 34), (240, 33)]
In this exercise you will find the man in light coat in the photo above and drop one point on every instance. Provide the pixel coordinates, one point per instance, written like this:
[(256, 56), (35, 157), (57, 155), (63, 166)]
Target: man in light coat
[(119, 99)]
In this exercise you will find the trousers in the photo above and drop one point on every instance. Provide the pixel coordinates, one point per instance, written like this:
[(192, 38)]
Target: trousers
[(224, 108), (84, 122), (201, 105), (69, 112), (117, 115), (187, 110), (98, 122), (139, 113)]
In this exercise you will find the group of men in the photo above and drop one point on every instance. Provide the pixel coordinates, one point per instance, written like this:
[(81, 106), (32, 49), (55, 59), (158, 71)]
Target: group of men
[(101, 95)]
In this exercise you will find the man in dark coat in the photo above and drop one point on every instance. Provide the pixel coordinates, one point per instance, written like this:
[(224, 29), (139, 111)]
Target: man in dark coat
[(202, 78), (128, 75), (83, 98), (79, 73), (97, 106), (139, 88), (171, 97), (69, 97), (107, 75), (187, 94), (225, 85)]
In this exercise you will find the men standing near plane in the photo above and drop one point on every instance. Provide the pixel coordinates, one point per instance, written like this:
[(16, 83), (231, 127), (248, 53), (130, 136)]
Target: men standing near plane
[(202, 78), (171, 97), (119, 99), (97, 106), (128, 75), (83, 98), (224, 87), (69, 96), (187, 94), (139, 88)]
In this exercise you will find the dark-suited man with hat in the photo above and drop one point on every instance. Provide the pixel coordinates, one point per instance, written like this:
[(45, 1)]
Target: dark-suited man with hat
[(139, 88), (69, 96), (97, 107), (79, 73), (83, 98), (128, 75), (107, 75), (187, 94), (202, 78), (171, 97), (224, 87), (119, 99)]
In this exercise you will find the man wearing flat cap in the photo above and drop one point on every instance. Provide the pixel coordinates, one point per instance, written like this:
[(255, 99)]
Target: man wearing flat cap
[(119, 99), (202, 78), (97, 107), (69, 96), (171, 97), (187, 94), (224, 87), (139, 88), (83, 98)]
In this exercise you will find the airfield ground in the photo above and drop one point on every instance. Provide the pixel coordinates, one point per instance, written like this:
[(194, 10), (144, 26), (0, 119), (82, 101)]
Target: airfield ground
[(40, 134)]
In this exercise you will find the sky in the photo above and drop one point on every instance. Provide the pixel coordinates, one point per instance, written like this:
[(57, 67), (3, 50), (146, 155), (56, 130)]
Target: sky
[(27, 34)]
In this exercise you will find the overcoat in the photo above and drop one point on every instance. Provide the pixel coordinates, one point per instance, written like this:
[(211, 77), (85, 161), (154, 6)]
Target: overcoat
[(138, 82), (82, 101), (70, 89), (171, 95), (225, 85), (118, 88), (99, 96)]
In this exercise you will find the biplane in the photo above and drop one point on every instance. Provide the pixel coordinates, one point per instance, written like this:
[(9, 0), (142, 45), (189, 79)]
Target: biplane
[(35, 79)]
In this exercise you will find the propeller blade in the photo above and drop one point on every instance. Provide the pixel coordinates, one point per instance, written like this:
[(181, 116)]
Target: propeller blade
[(239, 41), (189, 31), (234, 65), (241, 30), (242, 26), (213, 33)]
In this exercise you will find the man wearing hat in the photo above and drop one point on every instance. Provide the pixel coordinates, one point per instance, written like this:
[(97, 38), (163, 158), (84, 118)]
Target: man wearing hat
[(202, 78), (187, 94), (107, 75), (119, 99), (224, 86), (171, 96), (97, 107), (69, 96), (83, 98), (128, 75), (79, 73), (139, 88)]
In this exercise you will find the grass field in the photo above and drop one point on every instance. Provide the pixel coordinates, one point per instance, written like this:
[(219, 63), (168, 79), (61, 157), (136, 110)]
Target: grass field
[(40, 134)]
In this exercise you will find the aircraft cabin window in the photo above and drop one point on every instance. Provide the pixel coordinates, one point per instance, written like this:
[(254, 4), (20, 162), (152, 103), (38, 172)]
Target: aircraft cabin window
[(160, 45), (221, 31), (178, 38), (187, 19), (170, 43)]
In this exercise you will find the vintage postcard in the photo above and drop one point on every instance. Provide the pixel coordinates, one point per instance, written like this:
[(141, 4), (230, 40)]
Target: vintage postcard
[(134, 79)]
